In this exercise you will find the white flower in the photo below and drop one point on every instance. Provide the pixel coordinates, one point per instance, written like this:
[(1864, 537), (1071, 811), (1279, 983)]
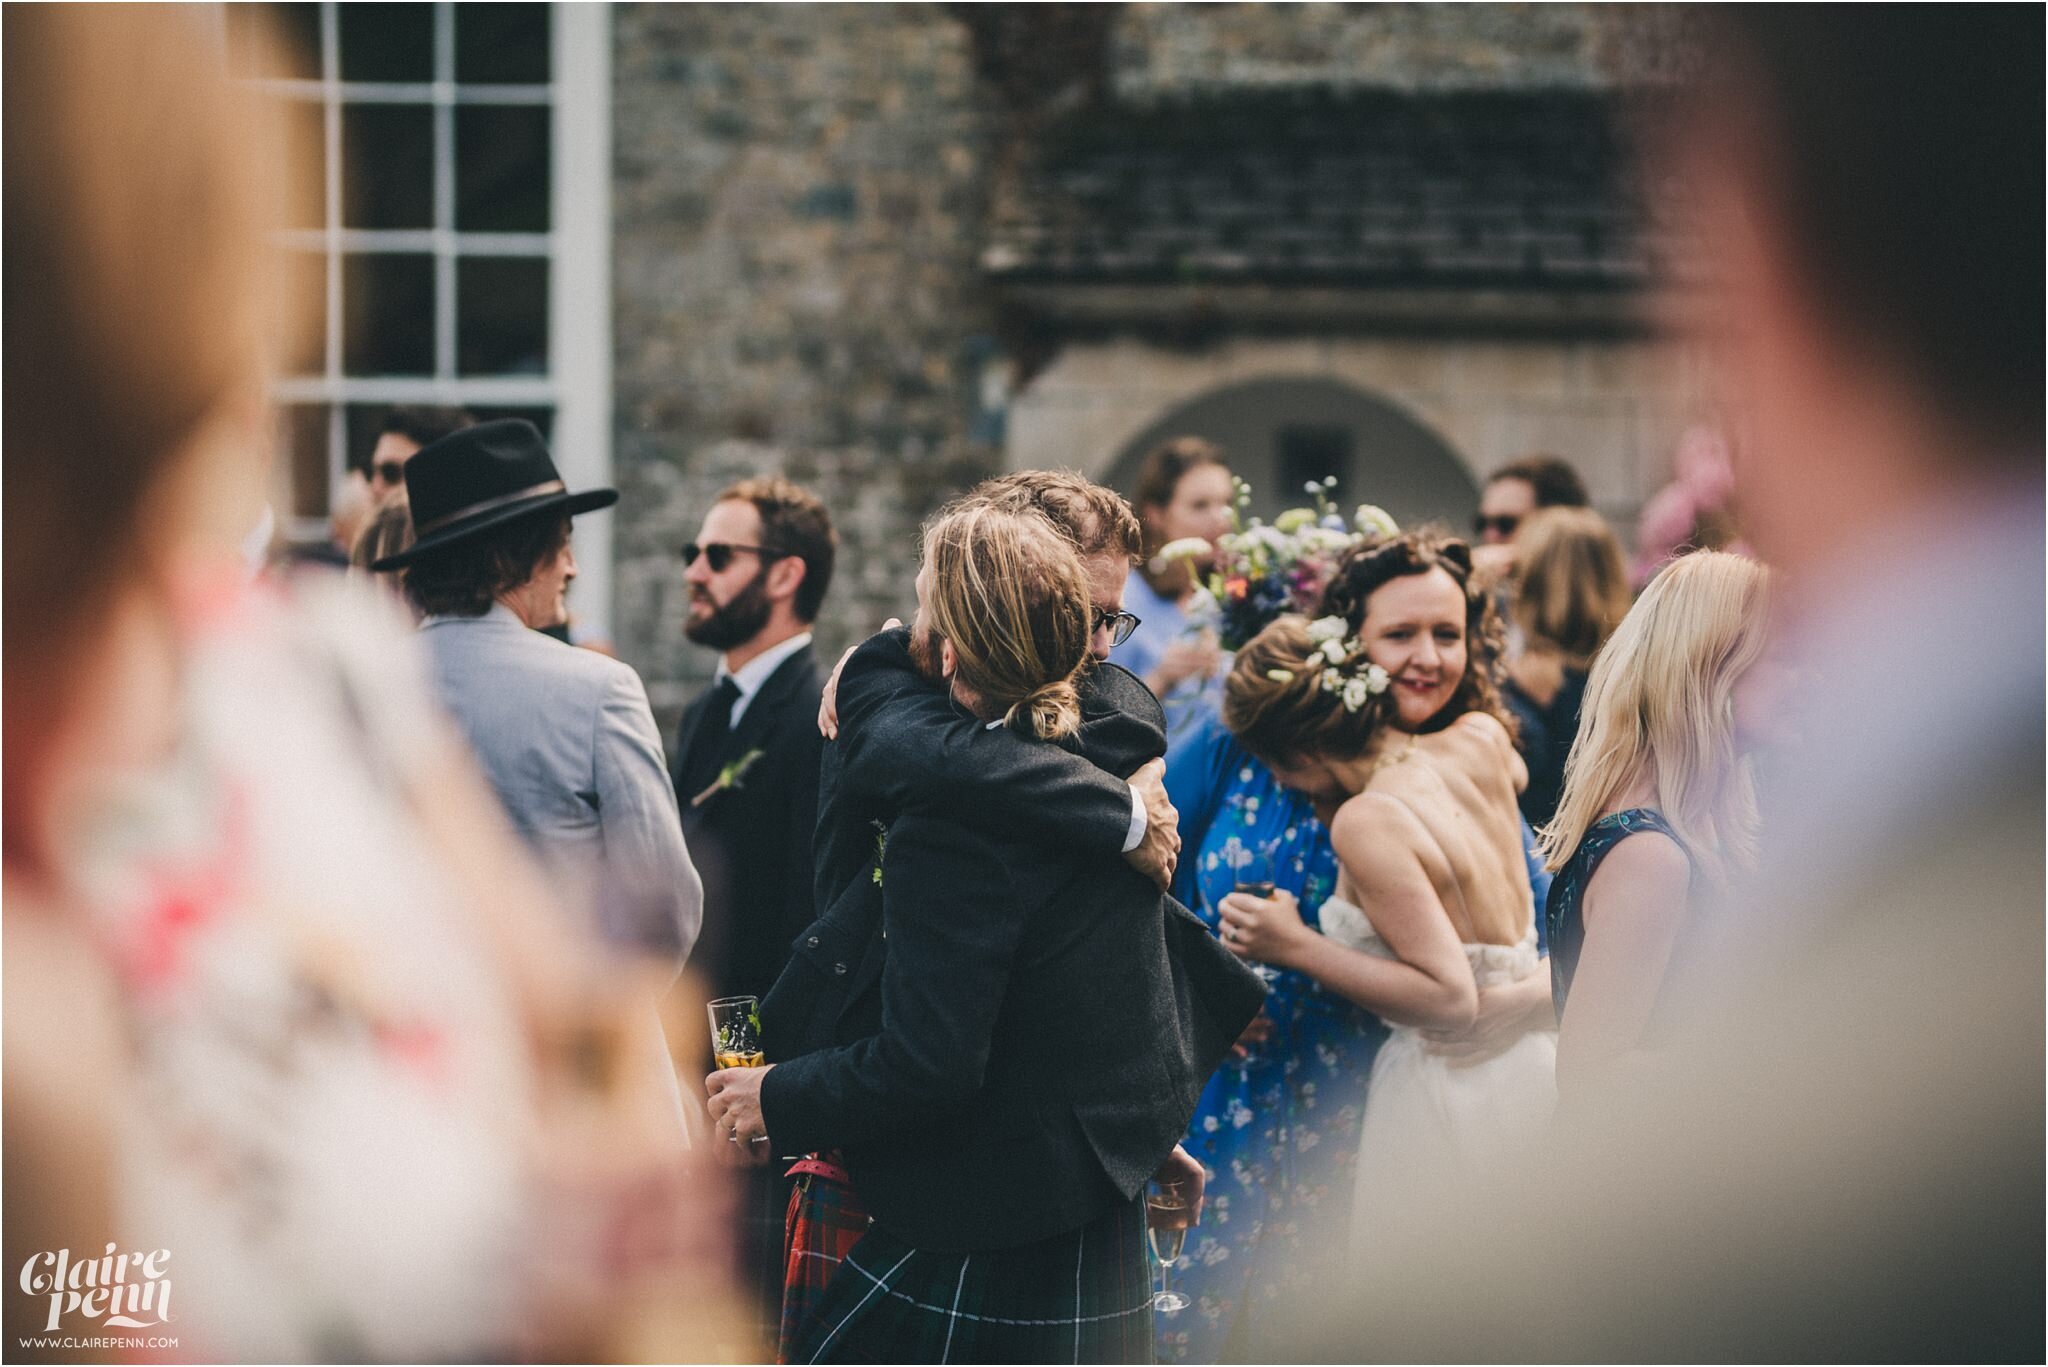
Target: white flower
[(1332, 681), (1375, 521), (1375, 679), (1356, 693), (1333, 651), (1280, 676), (1328, 629), (1181, 548)]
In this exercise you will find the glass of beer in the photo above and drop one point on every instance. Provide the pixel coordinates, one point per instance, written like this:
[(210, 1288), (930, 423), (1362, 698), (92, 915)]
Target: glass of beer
[(736, 1032), (1166, 1229)]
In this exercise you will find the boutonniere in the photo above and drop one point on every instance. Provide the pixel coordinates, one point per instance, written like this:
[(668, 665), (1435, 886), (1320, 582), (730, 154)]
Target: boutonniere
[(881, 843), (732, 775)]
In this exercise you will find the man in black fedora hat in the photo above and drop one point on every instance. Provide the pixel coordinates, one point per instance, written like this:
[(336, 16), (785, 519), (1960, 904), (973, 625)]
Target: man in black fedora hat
[(565, 736)]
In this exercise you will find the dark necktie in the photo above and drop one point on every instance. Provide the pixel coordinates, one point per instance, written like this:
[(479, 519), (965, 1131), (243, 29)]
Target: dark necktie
[(708, 745)]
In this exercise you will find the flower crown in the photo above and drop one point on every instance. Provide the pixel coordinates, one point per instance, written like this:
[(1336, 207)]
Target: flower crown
[(1339, 658)]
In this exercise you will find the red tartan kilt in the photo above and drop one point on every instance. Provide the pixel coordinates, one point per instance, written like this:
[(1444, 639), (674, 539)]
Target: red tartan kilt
[(826, 1219)]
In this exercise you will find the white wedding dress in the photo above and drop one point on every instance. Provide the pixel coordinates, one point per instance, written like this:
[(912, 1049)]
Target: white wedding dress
[(1432, 1121)]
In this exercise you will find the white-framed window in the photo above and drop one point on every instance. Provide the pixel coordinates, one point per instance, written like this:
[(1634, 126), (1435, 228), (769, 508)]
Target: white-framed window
[(459, 243)]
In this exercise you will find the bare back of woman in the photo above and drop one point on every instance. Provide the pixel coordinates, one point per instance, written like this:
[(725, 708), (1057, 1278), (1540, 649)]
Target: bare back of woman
[(1459, 787)]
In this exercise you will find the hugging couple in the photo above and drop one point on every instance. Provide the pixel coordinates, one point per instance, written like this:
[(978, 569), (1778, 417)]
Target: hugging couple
[(993, 1036)]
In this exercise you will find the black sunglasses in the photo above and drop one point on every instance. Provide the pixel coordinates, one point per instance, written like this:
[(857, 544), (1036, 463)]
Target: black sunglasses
[(1504, 524), (1120, 625), (720, 554)]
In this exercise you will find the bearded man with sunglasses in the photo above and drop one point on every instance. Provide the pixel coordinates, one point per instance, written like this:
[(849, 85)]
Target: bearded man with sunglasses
[(746, 770)]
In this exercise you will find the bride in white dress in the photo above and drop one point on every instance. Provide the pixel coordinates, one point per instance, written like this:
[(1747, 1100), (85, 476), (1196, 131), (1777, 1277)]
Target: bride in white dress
[(1431, 910)]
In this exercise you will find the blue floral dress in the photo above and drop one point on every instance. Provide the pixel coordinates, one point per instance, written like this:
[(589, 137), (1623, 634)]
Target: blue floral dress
[(1277, 1131)]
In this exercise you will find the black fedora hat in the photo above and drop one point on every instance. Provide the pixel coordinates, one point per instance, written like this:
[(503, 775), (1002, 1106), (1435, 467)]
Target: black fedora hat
[(481, 477)]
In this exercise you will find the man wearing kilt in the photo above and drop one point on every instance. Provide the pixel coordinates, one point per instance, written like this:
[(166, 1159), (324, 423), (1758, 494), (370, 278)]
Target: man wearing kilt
[(1047, 1018)]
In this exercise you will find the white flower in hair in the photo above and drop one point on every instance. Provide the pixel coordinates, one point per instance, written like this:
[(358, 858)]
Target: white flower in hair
[(1332, 680), (1328, 629), (1334, 652), (1280, 676), (1376, 680), (1357, 691), (1374, 520)]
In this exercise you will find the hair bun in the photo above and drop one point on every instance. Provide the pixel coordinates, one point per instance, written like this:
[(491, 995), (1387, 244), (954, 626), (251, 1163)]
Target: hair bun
[(1050, 712)]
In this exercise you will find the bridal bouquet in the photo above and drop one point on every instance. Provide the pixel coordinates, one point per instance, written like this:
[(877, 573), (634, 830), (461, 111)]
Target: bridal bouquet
[(1262, 571)]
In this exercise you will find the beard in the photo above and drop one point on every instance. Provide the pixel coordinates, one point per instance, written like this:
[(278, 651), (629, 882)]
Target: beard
[(924, 653), (736, 622)]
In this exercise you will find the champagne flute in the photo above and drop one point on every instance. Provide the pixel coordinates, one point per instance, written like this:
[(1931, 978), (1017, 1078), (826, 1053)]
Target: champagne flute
[(736, 1032), (1168, 1199)]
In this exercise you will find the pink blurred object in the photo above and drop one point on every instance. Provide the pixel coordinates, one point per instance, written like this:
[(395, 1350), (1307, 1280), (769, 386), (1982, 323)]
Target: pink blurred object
[(1692, 511)]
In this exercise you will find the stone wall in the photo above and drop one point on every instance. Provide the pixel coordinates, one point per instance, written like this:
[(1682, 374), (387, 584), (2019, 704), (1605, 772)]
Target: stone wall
[(797, 195)]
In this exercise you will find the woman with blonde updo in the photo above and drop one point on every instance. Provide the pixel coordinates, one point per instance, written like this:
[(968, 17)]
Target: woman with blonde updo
[(1432, 905)]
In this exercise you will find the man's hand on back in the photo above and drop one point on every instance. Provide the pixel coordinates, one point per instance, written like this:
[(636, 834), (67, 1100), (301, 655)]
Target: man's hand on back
[(828, 704), (1156, 854)]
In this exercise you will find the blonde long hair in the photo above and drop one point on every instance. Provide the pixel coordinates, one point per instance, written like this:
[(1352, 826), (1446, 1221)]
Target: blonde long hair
[(1010, 594), (1660, 704)]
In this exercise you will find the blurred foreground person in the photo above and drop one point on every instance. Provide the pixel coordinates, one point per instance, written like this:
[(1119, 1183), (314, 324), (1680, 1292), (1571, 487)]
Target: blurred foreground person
[(1660, 758), (284, 1011), (1185, 493), (1841, 1159)]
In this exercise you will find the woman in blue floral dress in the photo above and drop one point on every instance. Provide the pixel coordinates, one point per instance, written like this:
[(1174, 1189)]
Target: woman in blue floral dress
[(1277, 1128)]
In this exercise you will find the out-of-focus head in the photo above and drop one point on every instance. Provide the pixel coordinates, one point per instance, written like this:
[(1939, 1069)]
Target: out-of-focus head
[(404, 430), (1867, 196), (143, 296), (1003, 613), (1411, 599), (1298, 704), (387, 532), (1519, 488), (1097, 520), (1184, 490), (1571, 588), (763, 558), (1660, 704)]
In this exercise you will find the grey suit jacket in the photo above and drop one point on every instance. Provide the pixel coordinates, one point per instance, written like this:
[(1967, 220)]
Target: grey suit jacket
[(568, 742)]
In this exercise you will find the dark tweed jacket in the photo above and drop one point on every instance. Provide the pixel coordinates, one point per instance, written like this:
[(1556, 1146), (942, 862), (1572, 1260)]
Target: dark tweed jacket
[(1036, 1027)]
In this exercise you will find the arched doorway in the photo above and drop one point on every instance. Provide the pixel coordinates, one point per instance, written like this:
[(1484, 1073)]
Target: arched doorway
[(1279, 433)]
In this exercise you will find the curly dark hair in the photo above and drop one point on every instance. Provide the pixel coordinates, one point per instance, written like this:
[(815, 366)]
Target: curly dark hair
[(1368, 565), (464, 579)]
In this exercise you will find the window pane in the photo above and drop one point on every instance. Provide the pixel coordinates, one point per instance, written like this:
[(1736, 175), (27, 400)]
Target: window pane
[(387, 42), (388, 310), (501, 168), (387, 165), (502, 44), (294, 47), (302, 431), (305, 128), (306, 280), (502, 308)]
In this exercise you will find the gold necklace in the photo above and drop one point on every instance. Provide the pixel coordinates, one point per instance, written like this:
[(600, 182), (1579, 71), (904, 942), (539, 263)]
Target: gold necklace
[(1389, 761)]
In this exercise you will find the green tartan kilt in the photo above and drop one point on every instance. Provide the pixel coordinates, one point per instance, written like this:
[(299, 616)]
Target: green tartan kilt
[(1082, 1296)]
